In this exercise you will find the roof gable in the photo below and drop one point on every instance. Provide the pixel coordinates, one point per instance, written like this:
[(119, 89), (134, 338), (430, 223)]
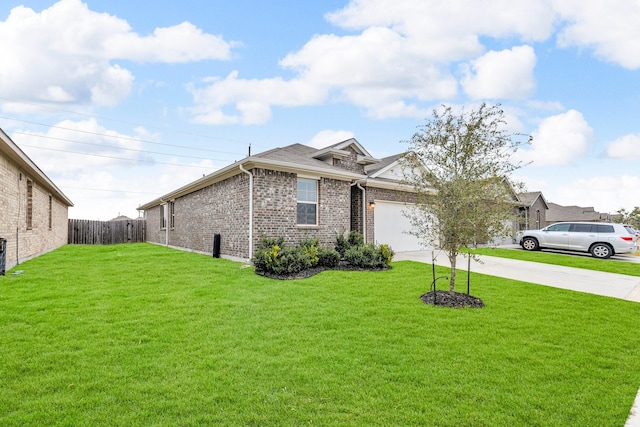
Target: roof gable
[(530, 198), (341, 150)]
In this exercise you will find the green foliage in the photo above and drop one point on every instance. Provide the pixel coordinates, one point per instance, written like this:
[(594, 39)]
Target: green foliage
[(355, 238), (343, 244), (460, 164), (631, 218), (328, 258), (369, 256), (269, 242), (275, 257), (387, 253)]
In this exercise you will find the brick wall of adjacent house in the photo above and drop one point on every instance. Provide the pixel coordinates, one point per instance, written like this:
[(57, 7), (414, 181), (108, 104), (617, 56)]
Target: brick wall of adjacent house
[(275, 208), (373, 193), (221, 208), (25, 242), (538, 206)]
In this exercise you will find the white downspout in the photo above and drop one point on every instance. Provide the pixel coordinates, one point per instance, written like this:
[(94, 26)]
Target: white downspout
[(250, 209), (364, 211)]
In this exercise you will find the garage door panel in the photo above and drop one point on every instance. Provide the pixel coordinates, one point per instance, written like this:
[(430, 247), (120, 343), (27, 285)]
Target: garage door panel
[(391, 227)]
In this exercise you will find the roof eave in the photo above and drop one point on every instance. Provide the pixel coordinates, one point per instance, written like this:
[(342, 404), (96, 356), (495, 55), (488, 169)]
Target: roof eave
[(23, 161), (248, 164)]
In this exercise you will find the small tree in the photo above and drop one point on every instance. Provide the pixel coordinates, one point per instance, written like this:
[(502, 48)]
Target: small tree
[(459, 165), (632, 218)]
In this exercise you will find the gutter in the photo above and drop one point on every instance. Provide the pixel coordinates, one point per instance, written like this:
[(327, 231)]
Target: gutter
[(250, 209)]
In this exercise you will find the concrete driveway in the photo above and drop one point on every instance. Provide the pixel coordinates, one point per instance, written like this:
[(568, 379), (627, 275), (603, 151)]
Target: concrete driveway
[(575, 279)]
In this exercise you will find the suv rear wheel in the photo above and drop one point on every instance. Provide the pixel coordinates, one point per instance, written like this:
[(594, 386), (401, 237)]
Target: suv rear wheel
[(530, 244), (601, 250)]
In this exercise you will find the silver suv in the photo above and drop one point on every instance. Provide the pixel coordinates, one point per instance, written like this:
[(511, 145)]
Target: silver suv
[(600, 239)]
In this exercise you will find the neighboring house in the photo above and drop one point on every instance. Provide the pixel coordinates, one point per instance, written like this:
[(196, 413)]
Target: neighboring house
[(533, 211), (296, 192), (33, 211), (558, 213)]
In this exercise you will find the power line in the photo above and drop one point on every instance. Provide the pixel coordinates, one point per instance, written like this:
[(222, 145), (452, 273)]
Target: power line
[(50, 107), (116, 158), (112, 136), (112, 146), (109, 191)]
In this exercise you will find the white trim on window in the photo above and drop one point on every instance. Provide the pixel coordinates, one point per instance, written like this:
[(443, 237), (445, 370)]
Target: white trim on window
[(307, 202)]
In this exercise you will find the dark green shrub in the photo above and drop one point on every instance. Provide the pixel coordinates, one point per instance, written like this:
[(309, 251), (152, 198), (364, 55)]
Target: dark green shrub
[(355, 239), (328, 258), (293, 260), (266, 258), (269, 242), (343, 244), (369, 256)]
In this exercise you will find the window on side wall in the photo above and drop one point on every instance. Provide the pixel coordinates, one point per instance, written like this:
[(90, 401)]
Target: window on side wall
[(307, 206), (163, 217), (29, 204), (172, 215)]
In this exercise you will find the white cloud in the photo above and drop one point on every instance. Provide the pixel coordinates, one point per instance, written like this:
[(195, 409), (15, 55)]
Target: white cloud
[(558, 140), (604, 193), (252, 99), (626, 147), (450, 30), (399, 59), (65, 53), (610, 28), (180, 43), (69, 148), (329, 137), (507, 74)]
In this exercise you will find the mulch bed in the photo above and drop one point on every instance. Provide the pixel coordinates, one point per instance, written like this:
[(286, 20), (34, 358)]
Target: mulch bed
[(446, 299), (304, 274)]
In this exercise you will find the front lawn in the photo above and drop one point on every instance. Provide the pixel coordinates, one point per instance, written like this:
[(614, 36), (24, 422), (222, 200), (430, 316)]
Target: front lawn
[(140, 334)]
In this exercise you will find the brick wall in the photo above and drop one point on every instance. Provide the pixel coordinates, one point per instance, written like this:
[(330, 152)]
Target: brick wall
[(275, 208), (223, 208), (350, 163), (22, 242), (219, 208)]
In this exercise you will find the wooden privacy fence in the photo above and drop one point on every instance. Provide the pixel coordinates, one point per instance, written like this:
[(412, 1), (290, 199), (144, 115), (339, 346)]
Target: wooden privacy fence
[(88, 232)]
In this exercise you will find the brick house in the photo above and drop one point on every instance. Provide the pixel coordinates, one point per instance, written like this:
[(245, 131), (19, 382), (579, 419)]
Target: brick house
[(533, 211), (33, 211), (294, 192)]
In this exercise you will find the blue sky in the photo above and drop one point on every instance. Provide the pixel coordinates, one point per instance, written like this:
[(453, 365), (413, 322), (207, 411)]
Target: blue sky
[(122, 101)]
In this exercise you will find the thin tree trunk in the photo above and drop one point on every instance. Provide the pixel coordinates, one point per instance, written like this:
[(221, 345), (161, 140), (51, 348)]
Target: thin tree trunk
[(452, 278)]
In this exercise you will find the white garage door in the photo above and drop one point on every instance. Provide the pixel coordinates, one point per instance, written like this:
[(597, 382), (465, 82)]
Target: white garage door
[(391, 226)]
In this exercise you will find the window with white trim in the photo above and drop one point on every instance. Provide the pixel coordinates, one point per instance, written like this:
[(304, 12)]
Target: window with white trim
[(307, 206), (172, 215)]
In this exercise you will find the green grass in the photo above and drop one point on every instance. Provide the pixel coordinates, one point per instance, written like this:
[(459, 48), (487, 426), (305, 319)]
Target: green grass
[(145, 335), (574, 260)]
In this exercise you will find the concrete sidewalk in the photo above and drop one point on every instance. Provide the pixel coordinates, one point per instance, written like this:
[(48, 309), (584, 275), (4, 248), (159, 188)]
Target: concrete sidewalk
[(575, 279)]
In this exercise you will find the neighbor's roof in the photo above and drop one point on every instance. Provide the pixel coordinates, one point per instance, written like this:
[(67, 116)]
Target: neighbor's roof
[(528, 199), (558, 213), (11, 150)]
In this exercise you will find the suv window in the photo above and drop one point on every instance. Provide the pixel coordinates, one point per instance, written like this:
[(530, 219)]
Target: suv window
[(558, 227), (602, 228), (582, 228)]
